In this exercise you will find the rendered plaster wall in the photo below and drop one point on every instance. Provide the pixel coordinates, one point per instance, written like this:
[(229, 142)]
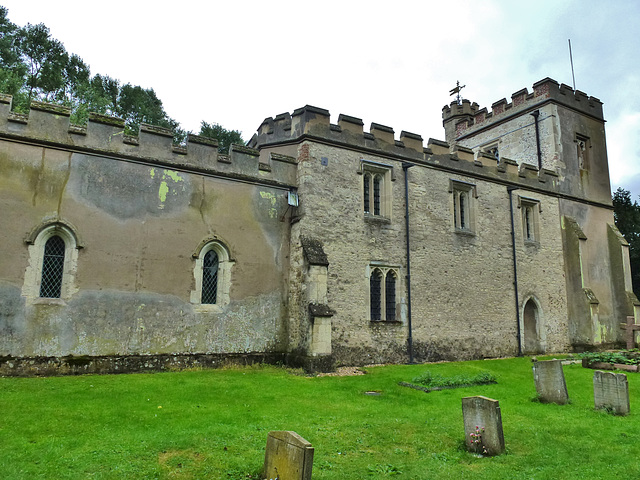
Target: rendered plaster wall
[(140, 224), (462, 295)]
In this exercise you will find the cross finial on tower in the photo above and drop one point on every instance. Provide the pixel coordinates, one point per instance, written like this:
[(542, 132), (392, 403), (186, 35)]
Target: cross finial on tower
[(455, 91)]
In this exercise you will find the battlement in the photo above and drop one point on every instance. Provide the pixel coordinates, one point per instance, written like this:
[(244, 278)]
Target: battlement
[(104, 135), (49, 125), (314, 123), (460, 119)]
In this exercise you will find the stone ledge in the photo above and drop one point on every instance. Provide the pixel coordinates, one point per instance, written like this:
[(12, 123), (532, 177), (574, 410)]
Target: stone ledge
[(84, 364)]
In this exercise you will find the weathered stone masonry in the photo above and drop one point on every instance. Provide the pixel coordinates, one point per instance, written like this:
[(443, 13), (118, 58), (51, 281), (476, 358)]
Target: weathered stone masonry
[(321, 281)]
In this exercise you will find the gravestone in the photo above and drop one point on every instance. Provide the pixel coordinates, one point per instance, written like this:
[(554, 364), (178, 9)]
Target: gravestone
[(550, 384), (482, 425), (611, 392), (630, 328), (288, 457)]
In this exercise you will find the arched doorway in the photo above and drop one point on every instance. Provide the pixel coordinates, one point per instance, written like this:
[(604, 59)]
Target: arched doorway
[(531, 328)]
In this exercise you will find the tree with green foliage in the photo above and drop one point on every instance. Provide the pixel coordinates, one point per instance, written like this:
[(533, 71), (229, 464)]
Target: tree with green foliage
[(12, 69), (627, 218), (36, 66), (138, 105), (225, 137), (98, 94), (46, 60)]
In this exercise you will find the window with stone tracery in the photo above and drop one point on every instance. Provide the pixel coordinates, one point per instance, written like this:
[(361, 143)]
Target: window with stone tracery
[(382, 294), (376, 189), (463, 196)]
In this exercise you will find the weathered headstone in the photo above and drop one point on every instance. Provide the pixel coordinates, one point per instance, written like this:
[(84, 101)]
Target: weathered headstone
[(288, 457), (550, 383), (611, 392), (483, 425)]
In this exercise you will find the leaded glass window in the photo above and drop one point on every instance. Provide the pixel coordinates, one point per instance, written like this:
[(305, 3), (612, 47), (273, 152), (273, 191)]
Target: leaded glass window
[(210, 278), (375, 284), (52, 268), (377, 180), (367, 193), (390, 296)]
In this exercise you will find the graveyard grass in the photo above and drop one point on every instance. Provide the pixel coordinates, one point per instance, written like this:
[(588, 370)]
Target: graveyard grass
[(213, 424)]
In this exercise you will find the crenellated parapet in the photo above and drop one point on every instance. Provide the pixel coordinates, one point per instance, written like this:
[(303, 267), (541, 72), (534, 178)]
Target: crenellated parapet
[(464, 118), (313, 123), (104, 135)]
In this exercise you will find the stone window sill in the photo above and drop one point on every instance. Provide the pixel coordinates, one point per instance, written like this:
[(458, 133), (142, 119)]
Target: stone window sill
[(48, 301), (464, 232), (207, 308), (376, 219)]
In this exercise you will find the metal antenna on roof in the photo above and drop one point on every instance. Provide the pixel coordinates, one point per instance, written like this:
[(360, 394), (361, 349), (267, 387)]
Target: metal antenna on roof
[(571, 58), (456, 90)]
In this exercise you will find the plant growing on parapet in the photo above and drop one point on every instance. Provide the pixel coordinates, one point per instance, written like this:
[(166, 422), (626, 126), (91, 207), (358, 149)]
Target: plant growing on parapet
[(225, 137)]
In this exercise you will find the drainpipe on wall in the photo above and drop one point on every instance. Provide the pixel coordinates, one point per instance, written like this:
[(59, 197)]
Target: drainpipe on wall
[(515, 269), (405, 168), (535, 115)]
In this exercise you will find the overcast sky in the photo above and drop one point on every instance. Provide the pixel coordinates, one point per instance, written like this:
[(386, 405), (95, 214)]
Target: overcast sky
[(389, 62)]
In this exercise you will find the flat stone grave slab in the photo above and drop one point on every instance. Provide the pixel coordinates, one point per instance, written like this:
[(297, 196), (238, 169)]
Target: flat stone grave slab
[(483, 425), (288, 456), (611, 392), (550, 383)]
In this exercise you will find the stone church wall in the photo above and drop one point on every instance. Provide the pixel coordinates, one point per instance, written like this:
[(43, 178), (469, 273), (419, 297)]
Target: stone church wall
[(309, 225)]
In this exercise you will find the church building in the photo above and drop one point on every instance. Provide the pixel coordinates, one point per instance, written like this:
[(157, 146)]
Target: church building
[(317, 244)]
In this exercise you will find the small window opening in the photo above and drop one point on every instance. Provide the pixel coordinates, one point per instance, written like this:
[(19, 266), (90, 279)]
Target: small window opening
[(375, 284), (52, 268), (390, 297), (367, 193), (210, 278), (376, 194)]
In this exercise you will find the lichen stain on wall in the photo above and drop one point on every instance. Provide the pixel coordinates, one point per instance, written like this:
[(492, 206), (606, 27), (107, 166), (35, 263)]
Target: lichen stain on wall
[(270, 208), (127, 191), (271, 200), (164, 188)]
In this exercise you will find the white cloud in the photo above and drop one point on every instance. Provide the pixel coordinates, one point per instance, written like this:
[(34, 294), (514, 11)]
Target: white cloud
[(393, 63)]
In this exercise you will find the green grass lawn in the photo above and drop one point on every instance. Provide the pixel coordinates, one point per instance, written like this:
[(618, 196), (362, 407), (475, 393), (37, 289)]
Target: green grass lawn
[(213, 424)]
